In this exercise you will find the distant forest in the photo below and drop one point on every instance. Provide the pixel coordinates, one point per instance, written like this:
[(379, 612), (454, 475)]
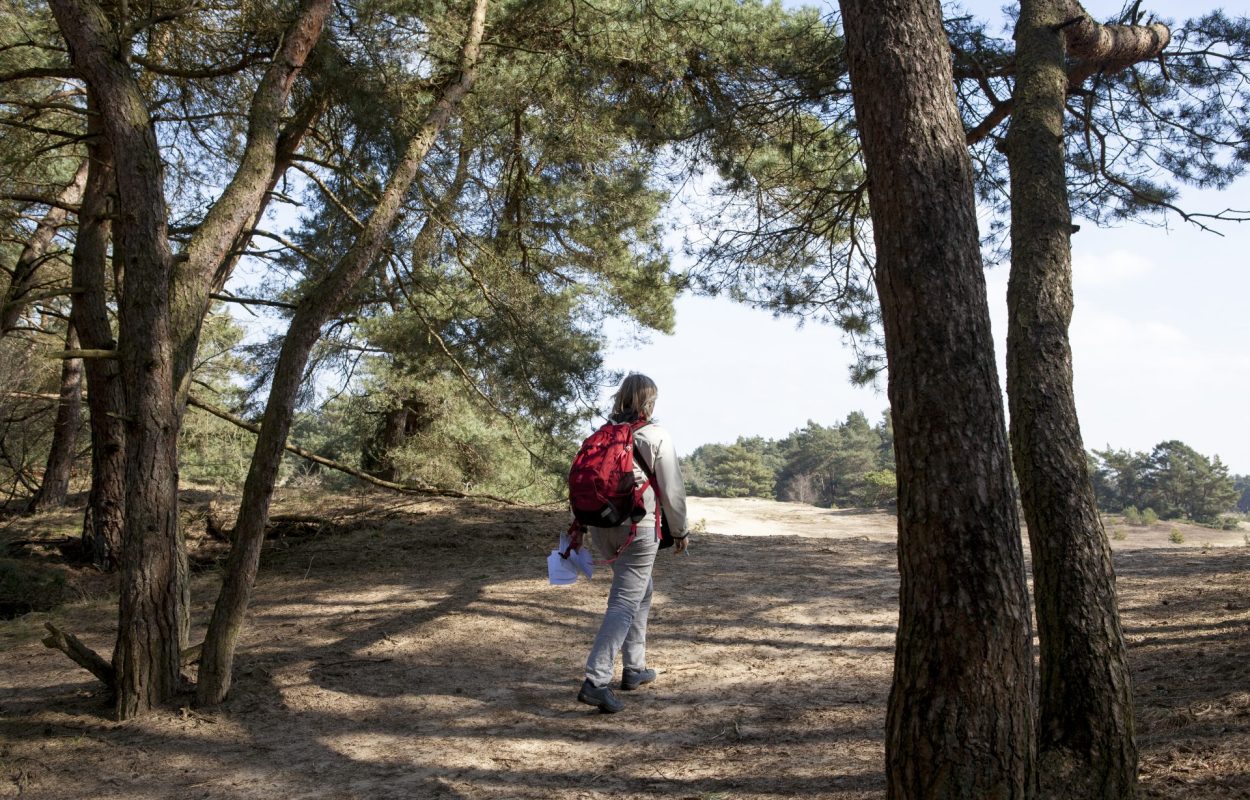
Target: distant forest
[(848, 464), (851, 464)]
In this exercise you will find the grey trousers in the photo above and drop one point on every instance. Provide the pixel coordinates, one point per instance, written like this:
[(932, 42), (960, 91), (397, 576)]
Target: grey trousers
[(624, 627)]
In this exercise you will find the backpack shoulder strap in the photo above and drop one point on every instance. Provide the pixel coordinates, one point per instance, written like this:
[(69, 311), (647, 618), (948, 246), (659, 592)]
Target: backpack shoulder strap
[(651, 479)]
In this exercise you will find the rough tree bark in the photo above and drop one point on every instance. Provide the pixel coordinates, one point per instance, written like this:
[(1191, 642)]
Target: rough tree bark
[(55, 485), (1085, 725), (960, 721), (146, 658), (106, 503), (318, 305), (160, 315), (34, 252)]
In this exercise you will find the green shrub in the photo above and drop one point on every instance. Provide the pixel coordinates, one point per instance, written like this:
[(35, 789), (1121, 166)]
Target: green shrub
[(1149, 517), (1118, 534), (1176, 537), (879, 490), (1132, 516)]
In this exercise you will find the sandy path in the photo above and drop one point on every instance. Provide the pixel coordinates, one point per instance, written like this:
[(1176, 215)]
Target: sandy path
[(753, 516), (415, 650)]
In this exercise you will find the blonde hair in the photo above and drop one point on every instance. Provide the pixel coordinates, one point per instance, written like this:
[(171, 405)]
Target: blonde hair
[(636, 396)]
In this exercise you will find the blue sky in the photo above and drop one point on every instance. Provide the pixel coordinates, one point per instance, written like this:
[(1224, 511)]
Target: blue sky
[(1160, 338)]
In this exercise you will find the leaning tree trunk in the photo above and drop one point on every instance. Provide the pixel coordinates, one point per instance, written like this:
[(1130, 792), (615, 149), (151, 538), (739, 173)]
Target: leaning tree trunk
[(210, 255), (314, 310), (106, 502), (286, 150), (1085, 726), (55, 485), (959, 721)]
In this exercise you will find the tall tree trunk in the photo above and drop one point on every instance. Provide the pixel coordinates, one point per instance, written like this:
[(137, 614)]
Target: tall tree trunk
[(147, 656), (1085, 725), (314, 310), (55, 486), (106, 503), (160, 314), (35, 251), (960, 720)]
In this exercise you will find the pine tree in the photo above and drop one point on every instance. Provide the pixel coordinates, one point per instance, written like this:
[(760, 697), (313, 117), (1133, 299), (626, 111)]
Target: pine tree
[(963, 667)]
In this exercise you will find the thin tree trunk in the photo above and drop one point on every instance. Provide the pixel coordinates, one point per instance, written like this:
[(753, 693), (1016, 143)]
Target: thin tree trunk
[(317, 307), (1085, 725), (106, 503), (55, 485), (959, 721), (35, 250), (287, 148)]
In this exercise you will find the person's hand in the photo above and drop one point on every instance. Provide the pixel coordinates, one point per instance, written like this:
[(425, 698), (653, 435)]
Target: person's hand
[(679, 545)]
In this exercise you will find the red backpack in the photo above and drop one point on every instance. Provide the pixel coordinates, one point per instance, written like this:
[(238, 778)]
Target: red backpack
[(602, 487)]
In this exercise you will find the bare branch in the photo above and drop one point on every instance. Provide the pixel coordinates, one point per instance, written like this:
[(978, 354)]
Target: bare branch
[(105, 354), (1111, 48), (80, 654), (39, 72), (251, 301), (193, 73), (40, 200), (156, 19)]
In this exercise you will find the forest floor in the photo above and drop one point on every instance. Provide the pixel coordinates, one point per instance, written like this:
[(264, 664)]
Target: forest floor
[(413, 649)]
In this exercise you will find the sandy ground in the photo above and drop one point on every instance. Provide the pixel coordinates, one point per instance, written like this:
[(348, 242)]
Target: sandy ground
[(415, 650), (753, 516)]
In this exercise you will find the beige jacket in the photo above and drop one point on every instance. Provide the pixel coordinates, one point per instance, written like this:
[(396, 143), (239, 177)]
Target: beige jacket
[(655, 445)]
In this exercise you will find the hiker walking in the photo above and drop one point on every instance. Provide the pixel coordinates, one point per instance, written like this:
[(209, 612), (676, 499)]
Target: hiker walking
[(629, 545)]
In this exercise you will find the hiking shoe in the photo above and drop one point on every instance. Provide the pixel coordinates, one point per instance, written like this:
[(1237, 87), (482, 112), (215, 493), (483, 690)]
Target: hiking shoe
[(601, 696), (631, 679)]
